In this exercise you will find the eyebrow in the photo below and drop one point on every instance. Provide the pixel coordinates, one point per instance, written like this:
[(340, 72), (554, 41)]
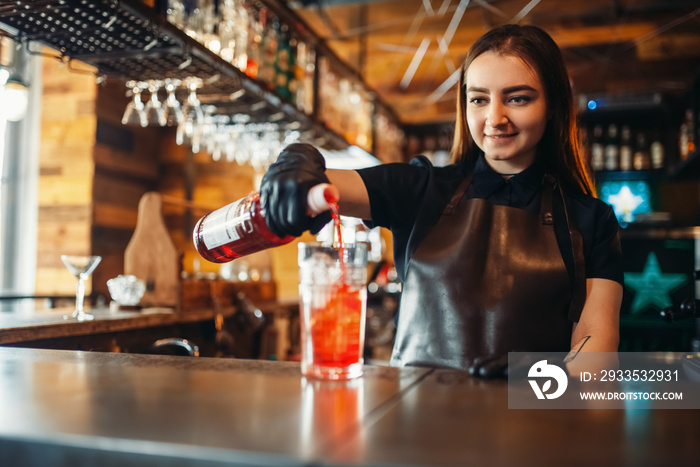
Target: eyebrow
[(508, 90)]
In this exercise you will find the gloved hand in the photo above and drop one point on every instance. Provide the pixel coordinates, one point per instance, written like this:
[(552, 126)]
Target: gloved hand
[(496, 366), (285, 187), (490, 367)]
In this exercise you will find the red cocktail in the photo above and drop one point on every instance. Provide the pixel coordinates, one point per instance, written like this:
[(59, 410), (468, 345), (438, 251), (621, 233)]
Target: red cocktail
[(333, 306)]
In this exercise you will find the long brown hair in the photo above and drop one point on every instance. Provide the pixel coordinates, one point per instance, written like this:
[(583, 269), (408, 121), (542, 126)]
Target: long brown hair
[(558, 151)]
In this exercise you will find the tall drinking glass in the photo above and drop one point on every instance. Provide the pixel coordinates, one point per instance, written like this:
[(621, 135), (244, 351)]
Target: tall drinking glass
[(333, 304), (81, 267)]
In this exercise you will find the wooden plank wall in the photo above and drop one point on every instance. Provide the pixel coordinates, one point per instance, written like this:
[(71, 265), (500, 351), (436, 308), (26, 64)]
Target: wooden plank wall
[(66, 166), (93, 171), (126, 162)]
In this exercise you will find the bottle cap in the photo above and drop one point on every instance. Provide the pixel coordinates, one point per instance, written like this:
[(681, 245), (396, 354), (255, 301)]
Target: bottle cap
[(321, 197)]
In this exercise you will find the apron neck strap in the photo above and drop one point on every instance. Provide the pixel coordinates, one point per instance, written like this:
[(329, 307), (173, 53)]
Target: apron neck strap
[(578, 295), (457, 196), (549, 183)]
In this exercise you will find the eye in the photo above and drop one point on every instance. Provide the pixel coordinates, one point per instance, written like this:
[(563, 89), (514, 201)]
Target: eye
[(520, 99), (477, 100)]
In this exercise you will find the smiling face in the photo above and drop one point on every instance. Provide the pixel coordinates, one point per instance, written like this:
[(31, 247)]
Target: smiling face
[(506, 110)]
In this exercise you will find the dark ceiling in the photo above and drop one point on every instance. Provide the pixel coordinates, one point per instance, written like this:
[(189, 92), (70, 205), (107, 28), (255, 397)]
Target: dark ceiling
[(408, 51)]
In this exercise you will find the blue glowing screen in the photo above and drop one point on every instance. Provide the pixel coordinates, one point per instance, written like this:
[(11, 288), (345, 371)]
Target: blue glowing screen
[(628, 198)]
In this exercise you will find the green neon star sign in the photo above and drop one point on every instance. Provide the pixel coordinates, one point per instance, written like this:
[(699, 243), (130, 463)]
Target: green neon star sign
[(651, 286)]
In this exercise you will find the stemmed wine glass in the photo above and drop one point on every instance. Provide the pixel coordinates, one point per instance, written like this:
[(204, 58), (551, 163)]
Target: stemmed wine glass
[(81, 267), (135, 112), (171, 106), (155, 113), (193, 116)]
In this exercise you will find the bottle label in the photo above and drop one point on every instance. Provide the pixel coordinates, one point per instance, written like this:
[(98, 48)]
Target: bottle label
[(220, 227)]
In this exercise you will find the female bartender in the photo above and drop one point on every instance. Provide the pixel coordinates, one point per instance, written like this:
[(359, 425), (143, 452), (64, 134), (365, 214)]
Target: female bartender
[(507, 249)]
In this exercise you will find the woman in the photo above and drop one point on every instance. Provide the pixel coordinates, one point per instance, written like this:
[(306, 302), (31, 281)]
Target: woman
[(504, 250)]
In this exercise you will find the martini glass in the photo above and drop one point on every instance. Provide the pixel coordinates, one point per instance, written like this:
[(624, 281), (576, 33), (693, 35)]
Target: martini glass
[(81, 267)]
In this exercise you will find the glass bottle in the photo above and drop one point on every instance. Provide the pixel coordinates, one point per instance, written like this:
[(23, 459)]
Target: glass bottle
[(299, 72), (657, 152), (240, 53), (239, 229), (283, 64), (642, 158), (612, 150), (305, 67), (269, 51), (686, 139), (597, 149), (227, 31), (626, 152), (255, 33)]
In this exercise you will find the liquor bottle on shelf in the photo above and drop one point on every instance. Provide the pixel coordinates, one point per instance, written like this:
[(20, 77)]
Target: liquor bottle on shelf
[(240, 54), (642, 157), (657, 152), (305, 65), (626, 152), (255, 33), (269, 50), (227, 31), (612, 150), (239, 229), (283, 64), (208, 23), (176, 13), (299, 73), (329, 95), (597, 149), (686, 138)]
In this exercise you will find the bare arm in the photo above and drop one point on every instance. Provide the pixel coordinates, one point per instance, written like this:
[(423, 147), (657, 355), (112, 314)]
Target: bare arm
[(600, 317), (598, 329), (354, 200)]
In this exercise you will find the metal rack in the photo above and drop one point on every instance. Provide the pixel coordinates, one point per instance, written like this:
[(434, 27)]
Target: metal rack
[(128, 40)]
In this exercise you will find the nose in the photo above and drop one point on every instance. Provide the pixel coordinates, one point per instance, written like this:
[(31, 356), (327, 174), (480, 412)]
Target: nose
[(496, 114)]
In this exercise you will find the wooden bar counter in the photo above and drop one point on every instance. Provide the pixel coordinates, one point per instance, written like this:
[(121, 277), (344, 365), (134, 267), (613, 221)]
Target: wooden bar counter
[(39, 324), (71, 408)]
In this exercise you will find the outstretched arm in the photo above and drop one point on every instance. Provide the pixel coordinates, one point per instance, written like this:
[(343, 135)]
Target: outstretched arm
[(354, 200), (285, 186)]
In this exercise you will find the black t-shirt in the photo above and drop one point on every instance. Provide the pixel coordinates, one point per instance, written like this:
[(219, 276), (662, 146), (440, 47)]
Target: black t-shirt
[(408, 199)]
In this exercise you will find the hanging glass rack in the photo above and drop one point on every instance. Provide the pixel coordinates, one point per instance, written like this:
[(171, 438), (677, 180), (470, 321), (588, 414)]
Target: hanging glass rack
[(129, 40)]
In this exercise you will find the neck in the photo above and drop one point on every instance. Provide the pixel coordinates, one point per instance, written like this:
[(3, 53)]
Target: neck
[(511, 165)]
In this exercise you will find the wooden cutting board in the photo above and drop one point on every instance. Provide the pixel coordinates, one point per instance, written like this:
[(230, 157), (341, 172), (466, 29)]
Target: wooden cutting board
[(152, 256)]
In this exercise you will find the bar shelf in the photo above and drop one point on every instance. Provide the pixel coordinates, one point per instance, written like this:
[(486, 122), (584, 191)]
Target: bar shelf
[(129, 40)]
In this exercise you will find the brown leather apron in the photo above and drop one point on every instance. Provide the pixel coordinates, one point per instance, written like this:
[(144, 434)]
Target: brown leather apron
[(487, 280)]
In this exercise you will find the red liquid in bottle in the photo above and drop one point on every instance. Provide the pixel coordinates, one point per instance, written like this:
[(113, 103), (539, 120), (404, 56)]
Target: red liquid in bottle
[(236, 230), (239, 229)]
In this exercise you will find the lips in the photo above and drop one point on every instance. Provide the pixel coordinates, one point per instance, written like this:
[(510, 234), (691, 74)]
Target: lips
[(501, 136)]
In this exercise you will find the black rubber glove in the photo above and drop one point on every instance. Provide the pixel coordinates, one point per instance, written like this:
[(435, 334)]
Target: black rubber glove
[(284, 190), (496, 366), (490, 367)]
